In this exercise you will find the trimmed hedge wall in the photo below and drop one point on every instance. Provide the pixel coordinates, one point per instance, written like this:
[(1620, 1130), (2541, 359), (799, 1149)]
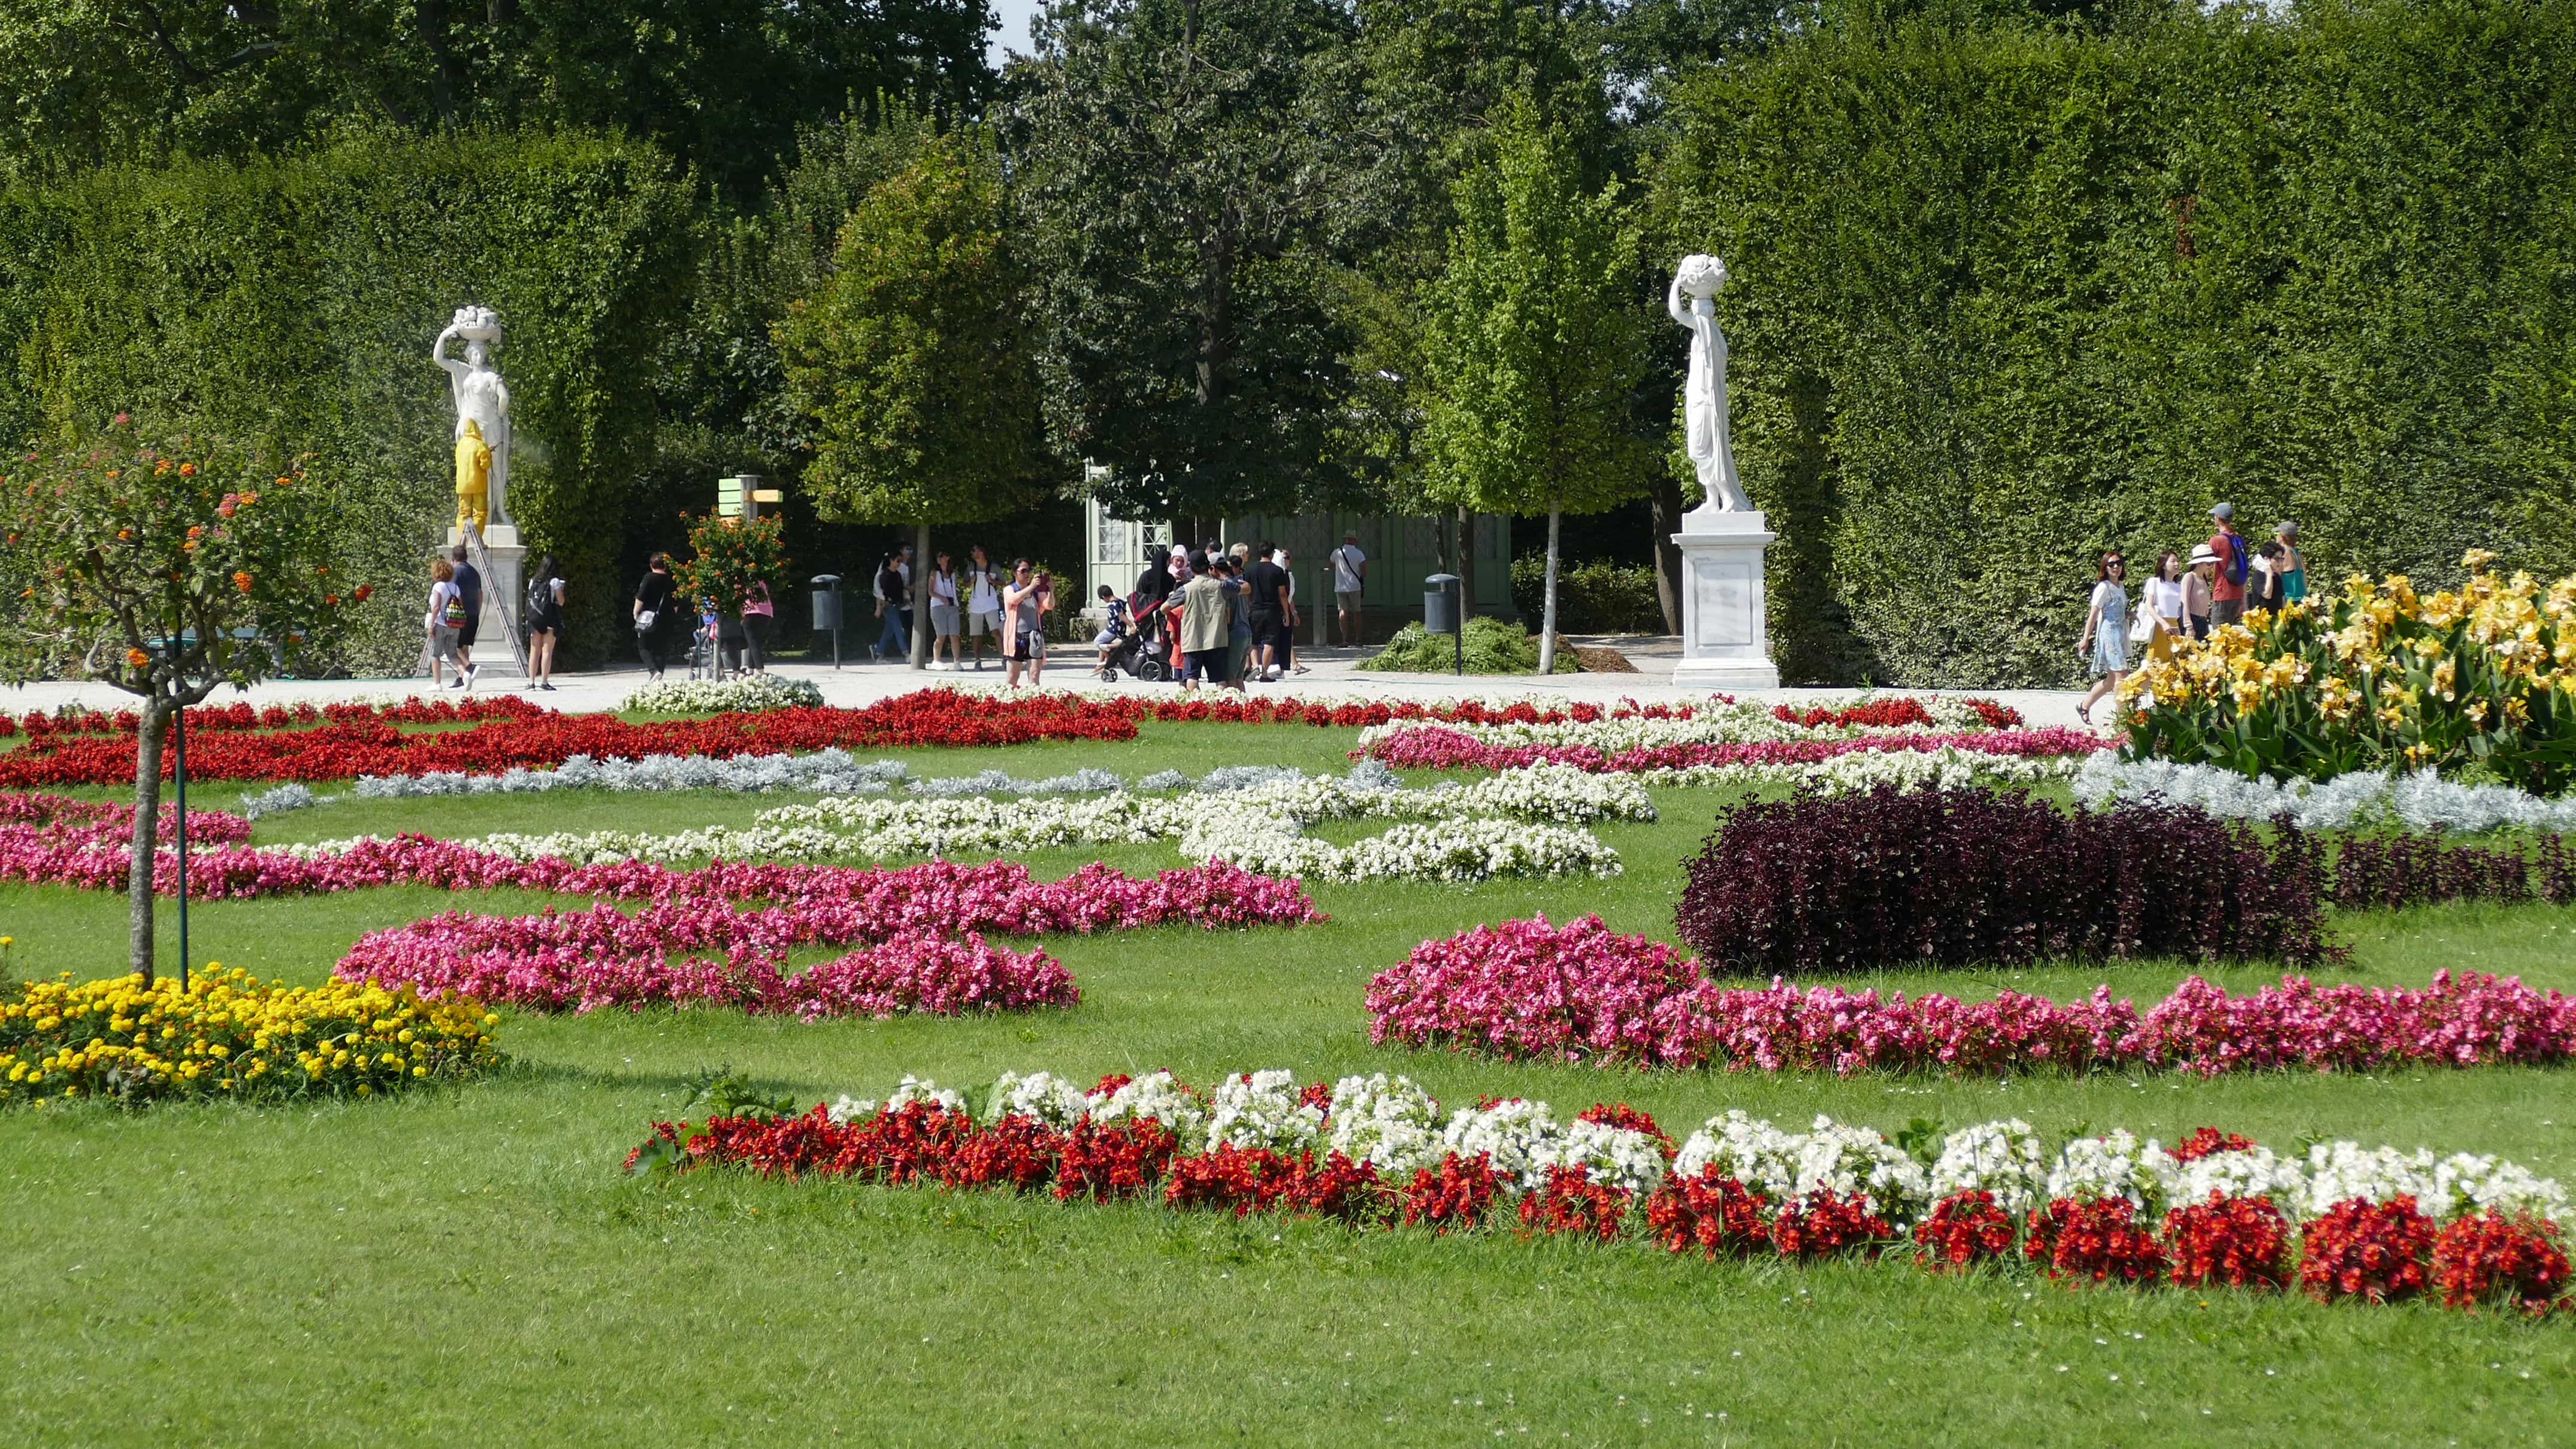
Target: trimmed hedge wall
[(2004, 297), (296, 299)]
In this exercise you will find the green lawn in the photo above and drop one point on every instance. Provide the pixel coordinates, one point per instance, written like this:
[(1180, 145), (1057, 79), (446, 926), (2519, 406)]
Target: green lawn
[(468, 1267)]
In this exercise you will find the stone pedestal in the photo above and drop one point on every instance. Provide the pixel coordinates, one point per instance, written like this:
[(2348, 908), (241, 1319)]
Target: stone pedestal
[(1726, 638), (505, 593)]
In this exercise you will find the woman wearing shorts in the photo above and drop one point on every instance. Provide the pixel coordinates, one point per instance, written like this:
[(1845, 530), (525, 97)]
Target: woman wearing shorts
[(1024, 606), (983, 603), (943, 612)]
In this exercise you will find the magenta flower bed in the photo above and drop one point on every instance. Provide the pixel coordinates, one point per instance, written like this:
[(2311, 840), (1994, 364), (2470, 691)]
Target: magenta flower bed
[(1433, 747), (1528, 990), (704, 952)]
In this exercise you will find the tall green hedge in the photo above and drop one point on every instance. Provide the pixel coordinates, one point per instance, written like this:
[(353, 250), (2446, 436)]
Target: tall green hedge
[(2003, 297), (295, 299)]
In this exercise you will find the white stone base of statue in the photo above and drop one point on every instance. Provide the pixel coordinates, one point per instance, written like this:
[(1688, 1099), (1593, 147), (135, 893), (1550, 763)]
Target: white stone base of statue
[(1726, 639), (504, 592)]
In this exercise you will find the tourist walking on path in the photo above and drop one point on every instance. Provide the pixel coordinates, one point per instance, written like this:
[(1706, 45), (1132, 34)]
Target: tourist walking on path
[(446, 614), (545, 621), (2291, 568), (1238, 615), (759, 625), (2160, 604), (1269, 584), (469, 587), (2197, 588), (651, 612), (943, 612), (1024, 608), (894, 605), (1205, 621), (1287, 661), (2227, 584), (983, 602), (2106, 631), (1350, 585)]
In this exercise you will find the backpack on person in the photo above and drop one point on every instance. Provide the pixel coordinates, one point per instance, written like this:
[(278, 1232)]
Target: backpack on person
[(453, 615), (2238, 565), (541, 596)]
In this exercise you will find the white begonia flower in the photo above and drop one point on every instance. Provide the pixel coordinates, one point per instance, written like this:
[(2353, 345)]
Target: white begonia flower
[(2464, 1184), (2117, 1164), (1158, 1097), (847, 1109), (1260, 1109), (1518, 1138), (921, 1089), (1851, 1159), (2002, 1158), (2340, 1171), (1619, 1157), (1041, 1096), (1748, 1149), (2250, 1172), (1387, 1122)]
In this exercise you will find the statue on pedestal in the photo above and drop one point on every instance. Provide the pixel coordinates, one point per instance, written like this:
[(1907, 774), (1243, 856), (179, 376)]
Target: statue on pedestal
[(1693, 303), (482, 413)]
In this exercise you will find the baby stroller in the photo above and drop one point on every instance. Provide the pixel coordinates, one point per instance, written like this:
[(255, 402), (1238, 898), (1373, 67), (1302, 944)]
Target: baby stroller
[(715, 646), (1129, 649)]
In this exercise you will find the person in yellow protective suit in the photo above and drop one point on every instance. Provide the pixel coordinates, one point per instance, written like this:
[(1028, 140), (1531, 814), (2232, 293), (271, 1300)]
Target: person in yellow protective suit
[(473, 478)]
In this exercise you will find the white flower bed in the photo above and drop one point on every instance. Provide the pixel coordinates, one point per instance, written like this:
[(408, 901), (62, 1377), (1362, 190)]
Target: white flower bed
[(1619, 1157), (2422, 800), (708, 696), (1159, 1097), (2002, 1158), (2114, 1165), (1260, 1109), (1387, 1122), (1713, 723), (1518, 1138), (1947, 768)]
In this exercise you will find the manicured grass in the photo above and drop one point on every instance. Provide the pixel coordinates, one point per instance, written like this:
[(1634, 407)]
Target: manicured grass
[(468, 1267)]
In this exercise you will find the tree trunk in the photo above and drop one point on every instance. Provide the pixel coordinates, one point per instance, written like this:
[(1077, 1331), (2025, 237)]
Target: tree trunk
[(1547, 611), (1466, 567), (1665, 503), (921, 596), (147, 821)]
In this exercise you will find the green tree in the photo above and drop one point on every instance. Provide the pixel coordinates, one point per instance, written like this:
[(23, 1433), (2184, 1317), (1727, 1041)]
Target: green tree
[(914, 359), (723, 84), (1533, 344), (166, 570), (727, 558), (1185, 166)]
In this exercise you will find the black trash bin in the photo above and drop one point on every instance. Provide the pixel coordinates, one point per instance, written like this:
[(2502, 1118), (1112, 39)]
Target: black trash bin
[(1442, 610)]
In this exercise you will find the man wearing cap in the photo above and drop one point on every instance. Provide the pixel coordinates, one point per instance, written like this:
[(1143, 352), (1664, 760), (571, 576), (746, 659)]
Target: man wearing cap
[(1350, 580), (2196, 590), (2227, 582)]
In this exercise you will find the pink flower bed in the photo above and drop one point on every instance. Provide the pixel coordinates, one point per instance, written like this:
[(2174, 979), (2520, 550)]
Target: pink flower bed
[(704, 952), (1433, 747), (64, 820), (1526, 990)]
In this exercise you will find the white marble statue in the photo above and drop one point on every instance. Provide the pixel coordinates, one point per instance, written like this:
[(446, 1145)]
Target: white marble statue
[(1693, 303), (481, 400)]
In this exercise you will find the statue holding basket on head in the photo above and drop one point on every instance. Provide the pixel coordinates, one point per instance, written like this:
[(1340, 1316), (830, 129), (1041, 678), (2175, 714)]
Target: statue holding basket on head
[(1693, 303), (482, 418)]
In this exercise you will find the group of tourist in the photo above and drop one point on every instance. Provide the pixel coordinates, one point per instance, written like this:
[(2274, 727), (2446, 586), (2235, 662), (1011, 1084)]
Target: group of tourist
[(980, 601), (455, 618), (2226, 579), (1222, 616)]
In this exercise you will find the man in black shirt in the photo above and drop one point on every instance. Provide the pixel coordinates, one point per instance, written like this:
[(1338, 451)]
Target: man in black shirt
[(1271, 611)]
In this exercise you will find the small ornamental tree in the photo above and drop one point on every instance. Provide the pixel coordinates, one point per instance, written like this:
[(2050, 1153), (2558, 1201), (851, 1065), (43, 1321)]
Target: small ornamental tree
[(1533, 343), (915, 359), (165, 568), (726, 557)]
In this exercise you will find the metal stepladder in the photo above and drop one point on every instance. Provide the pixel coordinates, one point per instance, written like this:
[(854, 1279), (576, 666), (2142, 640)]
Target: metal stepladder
[(501, 605)]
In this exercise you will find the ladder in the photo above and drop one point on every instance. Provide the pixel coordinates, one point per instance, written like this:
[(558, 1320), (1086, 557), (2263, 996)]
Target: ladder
[(482, 559)]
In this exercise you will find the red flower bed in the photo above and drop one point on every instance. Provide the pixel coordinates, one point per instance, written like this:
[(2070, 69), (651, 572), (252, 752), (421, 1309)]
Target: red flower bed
[(2371, 1251), (525, 736), (1456, 1194), (1111, 1162), (1963, 1229), (2100, 1240), (1717, 1215), (2243, 1242), (1893, 712), (1571, 1202), (1246, 1180), (2205, 1140), (1824, 1222), (2512, 1263)]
